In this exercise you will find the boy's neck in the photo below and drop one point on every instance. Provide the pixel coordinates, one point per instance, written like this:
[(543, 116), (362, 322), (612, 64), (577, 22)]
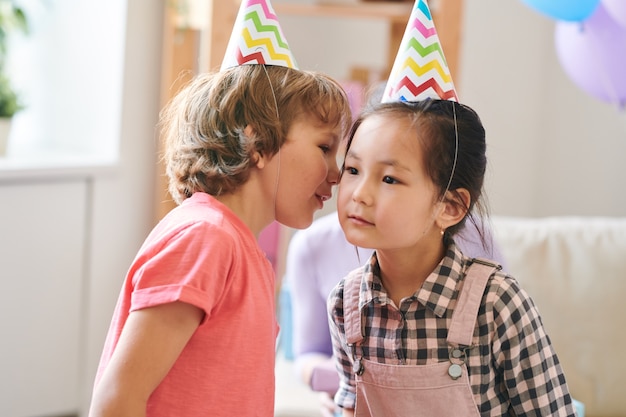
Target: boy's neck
[(250, 207)]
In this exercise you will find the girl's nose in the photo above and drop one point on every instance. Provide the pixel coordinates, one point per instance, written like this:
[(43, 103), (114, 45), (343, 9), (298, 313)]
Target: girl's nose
[(361, 193)]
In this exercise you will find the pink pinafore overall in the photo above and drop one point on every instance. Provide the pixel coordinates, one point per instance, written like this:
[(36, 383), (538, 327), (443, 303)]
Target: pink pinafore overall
[(437, 390)]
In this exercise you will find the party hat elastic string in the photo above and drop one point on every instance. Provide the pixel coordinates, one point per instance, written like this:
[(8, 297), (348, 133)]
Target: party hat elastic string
[(456, 151), (269, 80)]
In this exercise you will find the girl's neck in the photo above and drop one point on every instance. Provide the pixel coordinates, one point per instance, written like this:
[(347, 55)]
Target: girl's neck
[(403, 272)]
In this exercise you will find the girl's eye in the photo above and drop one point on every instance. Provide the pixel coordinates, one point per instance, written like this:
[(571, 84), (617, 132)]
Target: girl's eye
[(389, 180), (325, 148), (351, 170)]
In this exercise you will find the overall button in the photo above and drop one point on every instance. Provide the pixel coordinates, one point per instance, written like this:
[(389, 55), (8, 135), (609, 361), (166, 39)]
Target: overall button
[(455, 371)]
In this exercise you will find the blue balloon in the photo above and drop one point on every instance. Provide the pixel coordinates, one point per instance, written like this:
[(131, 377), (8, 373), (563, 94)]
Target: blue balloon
[(567, 10)]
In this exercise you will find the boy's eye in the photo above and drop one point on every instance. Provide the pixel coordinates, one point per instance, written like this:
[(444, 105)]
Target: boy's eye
[(351, 170), (389, 180)]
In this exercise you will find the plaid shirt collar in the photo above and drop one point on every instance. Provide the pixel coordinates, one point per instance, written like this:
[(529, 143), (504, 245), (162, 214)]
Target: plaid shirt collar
[(436, 292)]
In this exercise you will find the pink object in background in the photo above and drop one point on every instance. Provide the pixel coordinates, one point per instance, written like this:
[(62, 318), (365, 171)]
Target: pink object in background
[(269, 240), (354, 90)]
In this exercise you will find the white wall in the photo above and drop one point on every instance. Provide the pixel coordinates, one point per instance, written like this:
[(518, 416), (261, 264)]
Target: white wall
[(553, 149), (333, 45), (76, 194), (41, 275), (123, 204)]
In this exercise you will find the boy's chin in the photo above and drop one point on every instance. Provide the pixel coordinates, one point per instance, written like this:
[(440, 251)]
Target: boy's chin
[(300, 223)]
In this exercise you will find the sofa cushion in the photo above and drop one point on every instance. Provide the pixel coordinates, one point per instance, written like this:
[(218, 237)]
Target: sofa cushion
[(575, 270)]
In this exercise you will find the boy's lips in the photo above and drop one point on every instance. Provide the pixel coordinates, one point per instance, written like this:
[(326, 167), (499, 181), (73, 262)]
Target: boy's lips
[(321, 198)]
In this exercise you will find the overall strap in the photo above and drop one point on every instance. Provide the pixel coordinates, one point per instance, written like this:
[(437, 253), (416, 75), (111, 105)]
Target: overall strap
[(470, 296), (351, 313)]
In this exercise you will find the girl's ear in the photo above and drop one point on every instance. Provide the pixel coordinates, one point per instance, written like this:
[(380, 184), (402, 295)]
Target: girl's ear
[(454, 207), (257, 158)]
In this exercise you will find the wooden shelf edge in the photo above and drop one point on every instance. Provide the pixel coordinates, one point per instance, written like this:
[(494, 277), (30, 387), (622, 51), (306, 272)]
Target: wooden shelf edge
[(392, 12)]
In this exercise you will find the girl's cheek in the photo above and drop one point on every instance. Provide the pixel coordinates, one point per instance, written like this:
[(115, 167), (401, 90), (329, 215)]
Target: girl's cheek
[(343, 191)]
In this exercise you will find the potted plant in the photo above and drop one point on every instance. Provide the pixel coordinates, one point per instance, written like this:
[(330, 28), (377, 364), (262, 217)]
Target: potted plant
[(12, 18)]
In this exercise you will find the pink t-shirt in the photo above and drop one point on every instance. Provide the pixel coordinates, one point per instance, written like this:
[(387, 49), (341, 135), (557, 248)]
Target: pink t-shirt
[(201, 253)]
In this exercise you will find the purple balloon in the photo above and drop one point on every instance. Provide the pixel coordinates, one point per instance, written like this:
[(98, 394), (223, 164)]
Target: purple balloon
[(593, 54), (617, 10)]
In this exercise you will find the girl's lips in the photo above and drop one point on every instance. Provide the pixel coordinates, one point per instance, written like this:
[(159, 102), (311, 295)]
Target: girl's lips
[(359, 221)]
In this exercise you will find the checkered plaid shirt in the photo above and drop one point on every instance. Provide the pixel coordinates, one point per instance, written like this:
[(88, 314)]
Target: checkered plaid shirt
[(513, 369)]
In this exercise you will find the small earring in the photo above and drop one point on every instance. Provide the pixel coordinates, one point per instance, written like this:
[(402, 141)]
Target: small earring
[(443, 231)]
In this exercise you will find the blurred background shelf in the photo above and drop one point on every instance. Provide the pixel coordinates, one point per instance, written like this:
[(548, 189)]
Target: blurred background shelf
[(391, 11)]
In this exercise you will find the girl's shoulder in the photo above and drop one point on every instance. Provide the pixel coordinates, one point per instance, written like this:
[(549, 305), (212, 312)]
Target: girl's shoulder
[(356, 275), (503, 282), (505, 296), (352, 279), (499, 280)]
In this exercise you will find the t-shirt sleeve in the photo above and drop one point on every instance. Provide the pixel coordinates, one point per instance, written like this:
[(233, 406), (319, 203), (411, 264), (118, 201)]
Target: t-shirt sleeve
[(191, 265)]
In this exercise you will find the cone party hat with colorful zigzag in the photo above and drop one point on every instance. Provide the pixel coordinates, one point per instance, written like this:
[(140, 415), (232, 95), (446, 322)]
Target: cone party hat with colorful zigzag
[(257, 38), (420, 70)]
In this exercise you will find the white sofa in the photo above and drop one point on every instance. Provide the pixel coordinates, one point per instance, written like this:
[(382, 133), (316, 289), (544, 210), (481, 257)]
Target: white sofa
[(575, 270)]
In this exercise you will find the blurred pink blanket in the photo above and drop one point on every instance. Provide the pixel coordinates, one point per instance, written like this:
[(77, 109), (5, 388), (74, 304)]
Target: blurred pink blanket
[(325, 378)]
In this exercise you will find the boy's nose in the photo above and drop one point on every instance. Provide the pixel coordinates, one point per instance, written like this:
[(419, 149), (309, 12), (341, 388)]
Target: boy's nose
[(333, 173)]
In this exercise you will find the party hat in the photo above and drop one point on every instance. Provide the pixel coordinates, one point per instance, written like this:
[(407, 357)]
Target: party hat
[(420, 70), (257, 38)]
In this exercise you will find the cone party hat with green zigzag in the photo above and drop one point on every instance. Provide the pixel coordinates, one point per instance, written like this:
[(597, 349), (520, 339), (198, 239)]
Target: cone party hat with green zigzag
[(257, 38), (420, 70)]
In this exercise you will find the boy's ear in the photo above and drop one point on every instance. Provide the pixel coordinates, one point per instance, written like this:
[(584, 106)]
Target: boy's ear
[(454, 213), (257, 158)]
